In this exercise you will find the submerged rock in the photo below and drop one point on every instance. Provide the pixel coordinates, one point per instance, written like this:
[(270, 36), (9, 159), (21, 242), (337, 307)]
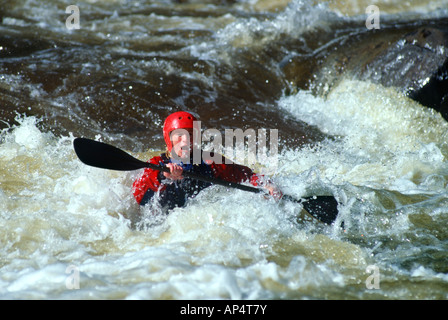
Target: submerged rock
[(412, 59), (417, 64)]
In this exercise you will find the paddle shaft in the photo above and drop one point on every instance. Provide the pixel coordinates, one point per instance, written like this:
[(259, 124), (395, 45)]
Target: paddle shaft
[(105, 156), (204, 178)]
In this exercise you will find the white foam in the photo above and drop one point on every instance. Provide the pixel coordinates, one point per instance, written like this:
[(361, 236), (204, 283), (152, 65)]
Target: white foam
[(225, 244), (385, 138), (28, 135)]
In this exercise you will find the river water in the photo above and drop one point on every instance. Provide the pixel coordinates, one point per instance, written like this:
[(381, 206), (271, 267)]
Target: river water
[(70, 231)]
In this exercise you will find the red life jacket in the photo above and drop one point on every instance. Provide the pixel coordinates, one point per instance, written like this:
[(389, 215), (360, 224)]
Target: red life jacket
[(150, 179)]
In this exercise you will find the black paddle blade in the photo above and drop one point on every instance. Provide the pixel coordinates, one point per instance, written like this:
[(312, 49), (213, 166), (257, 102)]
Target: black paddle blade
[(102, 155), (323, 208)]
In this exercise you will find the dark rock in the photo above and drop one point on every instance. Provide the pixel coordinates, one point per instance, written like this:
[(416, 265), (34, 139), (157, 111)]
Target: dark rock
[(412, 59), (417, 64), (435, 93)]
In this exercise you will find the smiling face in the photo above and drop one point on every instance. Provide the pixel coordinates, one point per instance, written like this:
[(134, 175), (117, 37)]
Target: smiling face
[(182, 141)]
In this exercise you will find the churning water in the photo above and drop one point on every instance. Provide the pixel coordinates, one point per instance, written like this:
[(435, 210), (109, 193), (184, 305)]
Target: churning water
[(70, 231)]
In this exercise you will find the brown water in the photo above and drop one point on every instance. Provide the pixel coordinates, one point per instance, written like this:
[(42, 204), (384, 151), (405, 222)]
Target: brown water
[(132, 63)]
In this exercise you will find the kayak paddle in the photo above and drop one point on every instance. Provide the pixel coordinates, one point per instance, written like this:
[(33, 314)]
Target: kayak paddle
[(105, 156)]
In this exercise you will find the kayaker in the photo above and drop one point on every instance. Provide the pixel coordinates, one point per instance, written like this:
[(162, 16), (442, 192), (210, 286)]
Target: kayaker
[(172, 188)]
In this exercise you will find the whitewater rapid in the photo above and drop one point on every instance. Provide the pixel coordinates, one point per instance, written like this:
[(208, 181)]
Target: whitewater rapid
[(58, 213), (70, 231)]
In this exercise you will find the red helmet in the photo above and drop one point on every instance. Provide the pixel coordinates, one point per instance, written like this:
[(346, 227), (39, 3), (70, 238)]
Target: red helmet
[(177, 120)]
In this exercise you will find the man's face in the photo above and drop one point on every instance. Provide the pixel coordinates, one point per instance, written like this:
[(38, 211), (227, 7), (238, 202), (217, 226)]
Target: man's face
[(182, 140)]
